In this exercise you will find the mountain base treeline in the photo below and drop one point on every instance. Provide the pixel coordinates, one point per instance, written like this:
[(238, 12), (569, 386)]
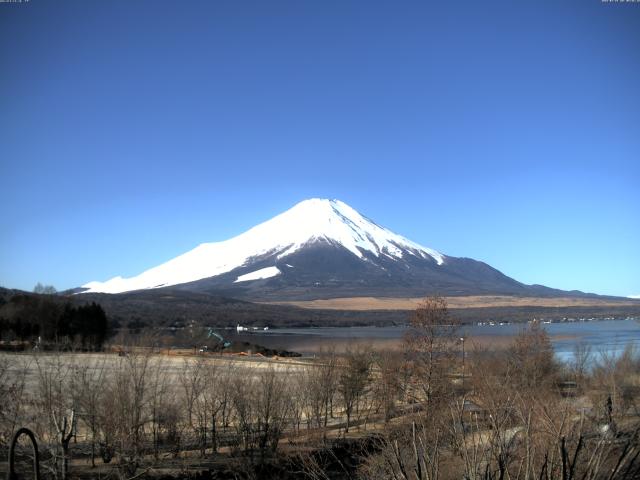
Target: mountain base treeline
[(52, 321), (166, 307)]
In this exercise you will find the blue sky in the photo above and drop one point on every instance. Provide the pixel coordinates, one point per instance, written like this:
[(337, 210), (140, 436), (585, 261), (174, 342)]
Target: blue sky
[(509, 132)]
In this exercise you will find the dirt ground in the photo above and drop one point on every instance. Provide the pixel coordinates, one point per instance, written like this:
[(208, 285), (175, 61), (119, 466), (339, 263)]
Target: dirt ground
[(173, 363)]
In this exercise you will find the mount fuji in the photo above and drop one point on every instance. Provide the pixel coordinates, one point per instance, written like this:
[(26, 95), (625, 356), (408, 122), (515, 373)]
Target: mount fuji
[(321, 249)]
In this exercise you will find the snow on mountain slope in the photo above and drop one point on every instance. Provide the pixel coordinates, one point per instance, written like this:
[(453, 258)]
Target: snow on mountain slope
[(310, 221), (259, 274)]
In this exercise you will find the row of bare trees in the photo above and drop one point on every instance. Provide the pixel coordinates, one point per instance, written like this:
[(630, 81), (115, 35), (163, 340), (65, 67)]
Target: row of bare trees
[(137, 409)]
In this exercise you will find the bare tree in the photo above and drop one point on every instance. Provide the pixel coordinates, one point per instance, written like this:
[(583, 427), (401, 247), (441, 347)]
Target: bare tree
[(44, 289), (129, 396), (532, 359), (170, 424), (411, 452), (159, 399), (216, 396), (353, 380), (13, 395), (389, 383), (193, 385), (430, 346), (243, 409), (57, 403), (222, 404), (582, 356), (321, 382), (88, 383), (297, 386), (272, 401), (65, 431)]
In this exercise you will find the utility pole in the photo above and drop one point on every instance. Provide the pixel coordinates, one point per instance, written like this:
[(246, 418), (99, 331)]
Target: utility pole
[(462, 340)]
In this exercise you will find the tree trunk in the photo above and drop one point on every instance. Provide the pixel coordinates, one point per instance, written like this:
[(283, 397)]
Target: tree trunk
[(214, 438)]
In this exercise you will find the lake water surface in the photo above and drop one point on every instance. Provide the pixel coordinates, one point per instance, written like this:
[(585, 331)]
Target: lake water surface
[(610, 336)]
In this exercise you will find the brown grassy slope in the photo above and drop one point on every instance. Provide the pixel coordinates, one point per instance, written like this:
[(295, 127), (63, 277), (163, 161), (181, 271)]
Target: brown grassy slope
[(477, 301)]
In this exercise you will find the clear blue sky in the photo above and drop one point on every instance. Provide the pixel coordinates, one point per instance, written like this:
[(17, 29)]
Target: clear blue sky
[(509, 132)]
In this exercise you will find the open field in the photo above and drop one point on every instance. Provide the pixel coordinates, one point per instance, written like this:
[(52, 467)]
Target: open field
[(475, 301), (173, 363)]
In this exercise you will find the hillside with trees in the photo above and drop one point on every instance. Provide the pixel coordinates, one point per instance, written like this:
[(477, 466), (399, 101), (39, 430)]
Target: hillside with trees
[(49, 321)]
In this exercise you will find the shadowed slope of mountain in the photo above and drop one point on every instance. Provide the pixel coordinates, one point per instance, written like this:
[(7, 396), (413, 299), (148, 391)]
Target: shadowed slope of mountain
[(326, 270)]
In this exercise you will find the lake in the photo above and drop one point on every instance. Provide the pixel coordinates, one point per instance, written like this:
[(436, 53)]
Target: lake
[(610, 336)]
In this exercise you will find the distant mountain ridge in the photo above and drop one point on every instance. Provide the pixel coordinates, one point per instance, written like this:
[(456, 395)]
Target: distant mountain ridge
[(322, 249)]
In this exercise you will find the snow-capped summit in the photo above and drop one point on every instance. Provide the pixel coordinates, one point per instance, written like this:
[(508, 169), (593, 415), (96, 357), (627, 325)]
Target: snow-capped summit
[(309, 222), (320, 249), (333, 221)]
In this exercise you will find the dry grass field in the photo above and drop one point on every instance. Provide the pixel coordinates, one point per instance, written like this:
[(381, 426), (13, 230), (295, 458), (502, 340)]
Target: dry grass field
[(476, 301)]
